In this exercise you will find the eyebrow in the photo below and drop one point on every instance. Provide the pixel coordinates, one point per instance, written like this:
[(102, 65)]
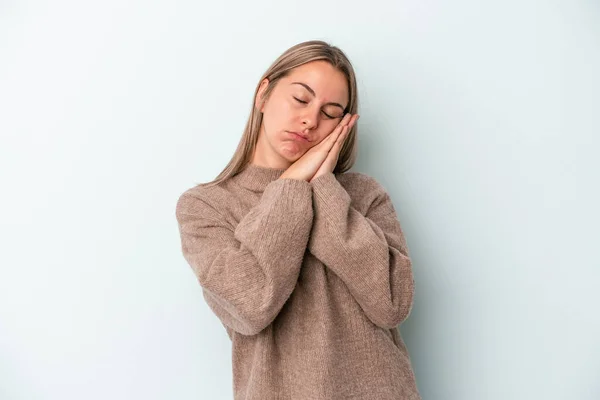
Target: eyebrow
[(314, 94)]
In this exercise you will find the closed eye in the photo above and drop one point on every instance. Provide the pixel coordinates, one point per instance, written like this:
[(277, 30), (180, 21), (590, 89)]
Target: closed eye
[(304, 102), (300, 101)]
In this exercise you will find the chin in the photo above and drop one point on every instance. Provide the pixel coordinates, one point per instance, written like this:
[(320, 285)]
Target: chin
[(290, 155)]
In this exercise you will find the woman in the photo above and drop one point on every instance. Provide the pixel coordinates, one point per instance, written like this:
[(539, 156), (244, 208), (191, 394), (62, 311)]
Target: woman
[(305, 264)]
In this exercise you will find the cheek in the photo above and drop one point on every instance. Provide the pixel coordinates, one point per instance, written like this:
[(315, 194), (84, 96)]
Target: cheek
[(279, 115), (286, 113), (328, 127)]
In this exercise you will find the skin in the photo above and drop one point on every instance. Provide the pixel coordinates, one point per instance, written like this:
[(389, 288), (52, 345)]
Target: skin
[(321, 118)]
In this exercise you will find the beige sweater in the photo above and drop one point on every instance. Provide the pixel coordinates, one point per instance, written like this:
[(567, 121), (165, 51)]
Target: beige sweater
[(310, 280)]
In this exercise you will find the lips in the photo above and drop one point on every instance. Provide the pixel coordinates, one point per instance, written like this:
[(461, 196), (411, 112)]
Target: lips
[(299, 136)]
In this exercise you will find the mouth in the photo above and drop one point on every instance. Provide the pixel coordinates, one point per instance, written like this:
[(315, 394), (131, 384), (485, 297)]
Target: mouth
[(299, 136)]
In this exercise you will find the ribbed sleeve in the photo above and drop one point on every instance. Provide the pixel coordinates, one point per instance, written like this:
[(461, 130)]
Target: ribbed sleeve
[(248, 271), (368, 252)]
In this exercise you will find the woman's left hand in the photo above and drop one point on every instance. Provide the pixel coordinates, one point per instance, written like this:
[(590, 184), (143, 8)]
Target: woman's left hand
[(333, 155)]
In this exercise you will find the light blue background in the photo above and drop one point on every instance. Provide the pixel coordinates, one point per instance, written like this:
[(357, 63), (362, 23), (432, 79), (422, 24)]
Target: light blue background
[(481, 119)]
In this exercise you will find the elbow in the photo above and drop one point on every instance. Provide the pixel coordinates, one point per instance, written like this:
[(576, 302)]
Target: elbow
[(397, 312), (256, 319), (243, 320), (253, 325), (242, 324), (248, 329), (392, 319), (397, 305)]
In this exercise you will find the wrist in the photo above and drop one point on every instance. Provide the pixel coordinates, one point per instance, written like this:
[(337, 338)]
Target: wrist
[(285, 175)]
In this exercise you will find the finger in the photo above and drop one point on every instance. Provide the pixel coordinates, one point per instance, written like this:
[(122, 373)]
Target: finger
[(344, 133), (345, 119), (342, 137), (329, 141), (331, 138), (352, 121), (348, 121), (343, 122), (334, 153)]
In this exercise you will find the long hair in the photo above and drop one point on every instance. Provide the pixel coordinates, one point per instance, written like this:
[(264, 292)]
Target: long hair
[(293, 57)]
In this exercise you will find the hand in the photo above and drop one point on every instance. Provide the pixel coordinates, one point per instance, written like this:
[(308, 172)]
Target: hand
[(306, 166), (334, 153)]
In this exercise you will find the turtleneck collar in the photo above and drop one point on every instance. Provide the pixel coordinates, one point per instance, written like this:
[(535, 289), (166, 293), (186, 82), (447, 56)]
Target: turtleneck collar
[(256, 178)]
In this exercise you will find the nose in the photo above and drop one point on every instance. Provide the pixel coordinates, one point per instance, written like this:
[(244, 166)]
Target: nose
[(310, 119)]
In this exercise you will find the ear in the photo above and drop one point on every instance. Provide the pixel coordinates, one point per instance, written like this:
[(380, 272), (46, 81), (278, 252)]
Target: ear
[(260, 104)]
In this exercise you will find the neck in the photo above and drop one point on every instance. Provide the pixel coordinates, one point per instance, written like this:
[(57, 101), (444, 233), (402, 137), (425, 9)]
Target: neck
[(256, 177)]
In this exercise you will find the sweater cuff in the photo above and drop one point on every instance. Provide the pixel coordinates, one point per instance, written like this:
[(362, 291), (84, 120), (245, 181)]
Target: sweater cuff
[(330, 196), (287, 185), (291, 196)]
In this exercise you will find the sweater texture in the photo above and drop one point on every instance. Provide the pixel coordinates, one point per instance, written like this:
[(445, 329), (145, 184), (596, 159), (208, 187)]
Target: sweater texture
[(310, 281)]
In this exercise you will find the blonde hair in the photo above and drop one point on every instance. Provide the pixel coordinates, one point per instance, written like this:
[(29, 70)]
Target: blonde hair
[(295, 56)]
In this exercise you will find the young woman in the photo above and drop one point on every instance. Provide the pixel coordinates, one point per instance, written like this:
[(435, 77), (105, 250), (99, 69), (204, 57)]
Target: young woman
[(304, 263)]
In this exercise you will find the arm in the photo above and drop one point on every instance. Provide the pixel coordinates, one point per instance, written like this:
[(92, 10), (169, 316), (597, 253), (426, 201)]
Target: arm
[(248, 272), (369, 253)]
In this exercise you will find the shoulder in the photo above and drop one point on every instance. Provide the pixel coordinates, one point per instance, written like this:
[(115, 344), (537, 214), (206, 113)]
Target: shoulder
[(201, 200)]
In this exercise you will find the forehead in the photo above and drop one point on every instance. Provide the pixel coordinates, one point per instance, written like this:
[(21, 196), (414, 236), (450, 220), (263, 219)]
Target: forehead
[(329, 83)]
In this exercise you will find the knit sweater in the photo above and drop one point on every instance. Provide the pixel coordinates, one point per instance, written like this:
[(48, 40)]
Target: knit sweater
[(310, 281)]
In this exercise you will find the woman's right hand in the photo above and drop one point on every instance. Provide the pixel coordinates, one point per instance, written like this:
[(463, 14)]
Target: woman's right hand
[(307, 166)]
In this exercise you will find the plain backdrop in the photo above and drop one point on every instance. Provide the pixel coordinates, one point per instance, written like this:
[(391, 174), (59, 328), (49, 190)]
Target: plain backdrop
[(481, 118)]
